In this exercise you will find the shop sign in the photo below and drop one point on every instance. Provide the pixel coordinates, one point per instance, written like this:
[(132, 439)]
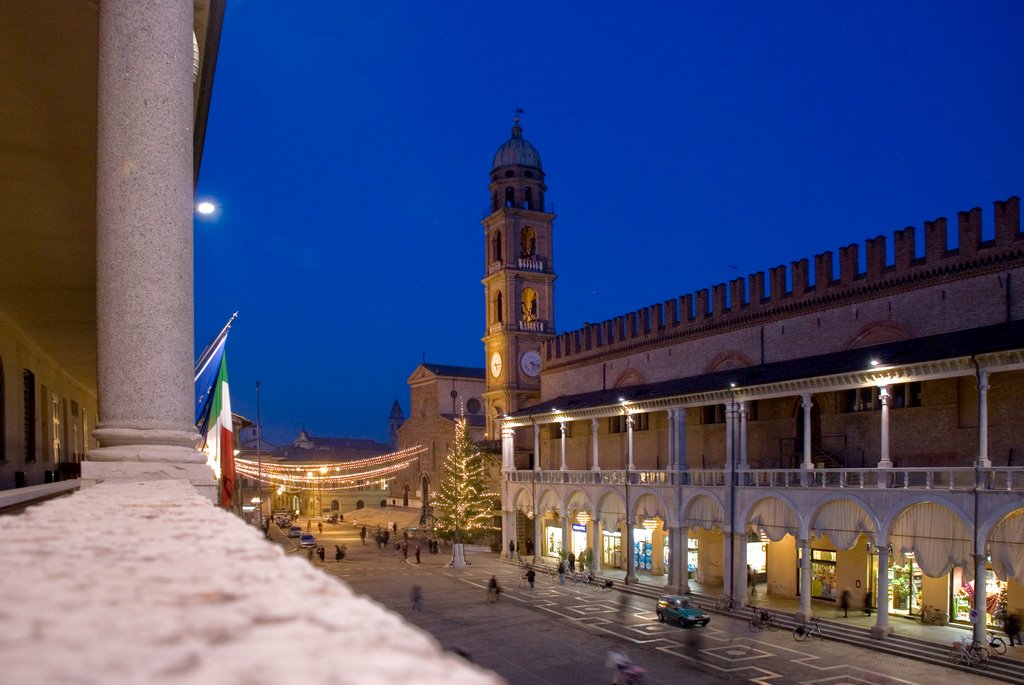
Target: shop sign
[(579, 528)]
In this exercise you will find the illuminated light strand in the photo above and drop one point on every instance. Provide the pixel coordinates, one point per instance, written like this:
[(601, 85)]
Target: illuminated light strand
[(338, 467), (249, 468)]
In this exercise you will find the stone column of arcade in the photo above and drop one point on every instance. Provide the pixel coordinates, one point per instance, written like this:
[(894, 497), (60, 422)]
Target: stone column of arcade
[(882, 628), (805, 580), (144, 290)]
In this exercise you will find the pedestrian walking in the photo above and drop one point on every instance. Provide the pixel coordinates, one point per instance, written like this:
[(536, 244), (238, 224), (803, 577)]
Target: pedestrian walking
[(572, 562), (493, 591), (867, 602), (405, 550), (417, 599), (320, 527), (339, 554), (561, 573), (511, 549), (320, 553), (1013, 626), (417, 554), (844, 603), (531, 576), (362, 535)]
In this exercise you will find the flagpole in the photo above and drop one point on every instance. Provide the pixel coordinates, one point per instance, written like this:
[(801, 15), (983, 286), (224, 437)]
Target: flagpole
[(259, 455), (208, 351)]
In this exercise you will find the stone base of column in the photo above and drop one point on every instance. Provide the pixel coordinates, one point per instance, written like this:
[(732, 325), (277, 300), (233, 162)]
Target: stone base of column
[(881, 632), (458, 556), (630, 580), (803, 617), (200, 476)]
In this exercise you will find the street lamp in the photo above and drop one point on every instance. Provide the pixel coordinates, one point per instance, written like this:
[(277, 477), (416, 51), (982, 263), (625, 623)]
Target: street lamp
[(259, 453), (320, 503)]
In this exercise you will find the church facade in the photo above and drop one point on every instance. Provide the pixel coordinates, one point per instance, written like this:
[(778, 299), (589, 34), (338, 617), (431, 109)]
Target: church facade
[(803, 433)]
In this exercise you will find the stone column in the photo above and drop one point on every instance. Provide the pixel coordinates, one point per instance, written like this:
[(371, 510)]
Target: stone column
[(980, 597), (884, 462), (807, 404), (677, 575), (508, 449), (536, 447), (671, 414), (144, 283), (743, 435), (629, 443), (882, 628), (595, 564), (730, 458), (805, 580), (563, 429), (630, 578), (983, 461), (508, 531), (739, 566), (680, 435), (595, 451)]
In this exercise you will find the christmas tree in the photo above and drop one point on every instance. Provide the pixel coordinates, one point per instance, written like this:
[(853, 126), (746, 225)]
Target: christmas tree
[(464, 505)]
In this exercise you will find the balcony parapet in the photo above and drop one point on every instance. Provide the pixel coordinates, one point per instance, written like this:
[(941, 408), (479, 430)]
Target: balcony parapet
[(959, 479)]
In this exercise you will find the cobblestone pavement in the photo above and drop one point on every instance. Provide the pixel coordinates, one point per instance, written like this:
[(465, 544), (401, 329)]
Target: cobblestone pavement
[(560, 634)]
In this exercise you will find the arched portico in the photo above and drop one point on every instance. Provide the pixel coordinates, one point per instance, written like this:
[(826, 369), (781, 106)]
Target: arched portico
[(704, 516), (611, 515)]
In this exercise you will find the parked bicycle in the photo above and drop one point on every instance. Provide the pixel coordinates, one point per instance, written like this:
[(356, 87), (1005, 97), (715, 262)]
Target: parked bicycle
[(762, 619), (726, 603), (811, 627), (968, 652), (996, 643), (934, 616)]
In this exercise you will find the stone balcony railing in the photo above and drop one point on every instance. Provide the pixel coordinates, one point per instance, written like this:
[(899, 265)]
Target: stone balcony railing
[(146, 582), (1004, 478)]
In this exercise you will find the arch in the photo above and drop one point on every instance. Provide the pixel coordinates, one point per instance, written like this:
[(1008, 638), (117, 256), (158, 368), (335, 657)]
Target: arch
[(496, 247), (528, 243), (627, 378), (334, 505), (729, 359), (877, 333), (359, 504), (775, 516), (650, 505), (510, 197), (1005, 546), (704, 511), (611, 510), (575, 502), (405, 495), (938, 536), (498, 308), (548, 503), (522, 501), (528, 299), (528, 198), (843, 519)]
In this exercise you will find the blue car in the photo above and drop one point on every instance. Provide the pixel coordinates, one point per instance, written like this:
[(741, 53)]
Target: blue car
[(307, 540), (294, 532), (680, 608)]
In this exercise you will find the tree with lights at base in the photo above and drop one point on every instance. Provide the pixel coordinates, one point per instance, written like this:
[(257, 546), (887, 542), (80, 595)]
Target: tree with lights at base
[(464, 505)]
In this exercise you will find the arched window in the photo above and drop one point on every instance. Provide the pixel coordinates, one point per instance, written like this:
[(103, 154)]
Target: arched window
[(359, 504), (497, 246), (528, 243), (528, 198), (499, 315), (529, 304), (510, 197)]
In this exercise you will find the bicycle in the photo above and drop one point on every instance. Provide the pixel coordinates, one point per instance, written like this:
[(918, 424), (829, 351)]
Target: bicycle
[(934, 616), (996, 643), (762, 619), (968, 652), (726, 603), (811, 627)]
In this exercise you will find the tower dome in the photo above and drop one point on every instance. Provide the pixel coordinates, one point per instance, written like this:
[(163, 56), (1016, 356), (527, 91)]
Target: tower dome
[(516, 151)]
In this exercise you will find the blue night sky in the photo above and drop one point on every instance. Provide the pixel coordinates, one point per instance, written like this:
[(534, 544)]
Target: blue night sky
[(685, 144)]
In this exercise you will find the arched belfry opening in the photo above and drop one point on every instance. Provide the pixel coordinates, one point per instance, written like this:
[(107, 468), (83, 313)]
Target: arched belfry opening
[(528, 243), (510, 197), (496, 246), (528, 198), (499, 314)]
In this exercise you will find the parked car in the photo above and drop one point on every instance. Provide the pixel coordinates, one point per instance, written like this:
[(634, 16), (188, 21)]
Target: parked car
[(679, 608), (307, 540), (294, 532)]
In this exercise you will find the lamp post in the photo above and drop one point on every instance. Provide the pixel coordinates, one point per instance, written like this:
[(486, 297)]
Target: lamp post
[(320, 502), (259, 454)]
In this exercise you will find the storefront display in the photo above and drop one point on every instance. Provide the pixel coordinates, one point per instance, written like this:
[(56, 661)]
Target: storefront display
[(691, 557), (611, 549), (823, 573), (578, 538), (552, 541), (963, 598), (905, 587), (642, 549)]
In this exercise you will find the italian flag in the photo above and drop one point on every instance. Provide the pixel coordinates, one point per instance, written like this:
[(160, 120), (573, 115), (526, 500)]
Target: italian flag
[(220, 442)]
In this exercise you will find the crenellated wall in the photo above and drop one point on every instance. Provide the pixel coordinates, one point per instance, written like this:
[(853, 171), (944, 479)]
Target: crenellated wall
[(745, 302)]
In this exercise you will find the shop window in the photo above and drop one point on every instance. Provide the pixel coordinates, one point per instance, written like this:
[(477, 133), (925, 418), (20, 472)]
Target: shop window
[(823, 573)]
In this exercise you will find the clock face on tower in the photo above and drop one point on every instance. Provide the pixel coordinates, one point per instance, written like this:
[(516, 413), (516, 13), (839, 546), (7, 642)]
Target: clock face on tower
[(529, 363), (496, 364)]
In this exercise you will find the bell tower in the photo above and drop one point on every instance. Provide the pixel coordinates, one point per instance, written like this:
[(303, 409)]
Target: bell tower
[(519, 279)]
